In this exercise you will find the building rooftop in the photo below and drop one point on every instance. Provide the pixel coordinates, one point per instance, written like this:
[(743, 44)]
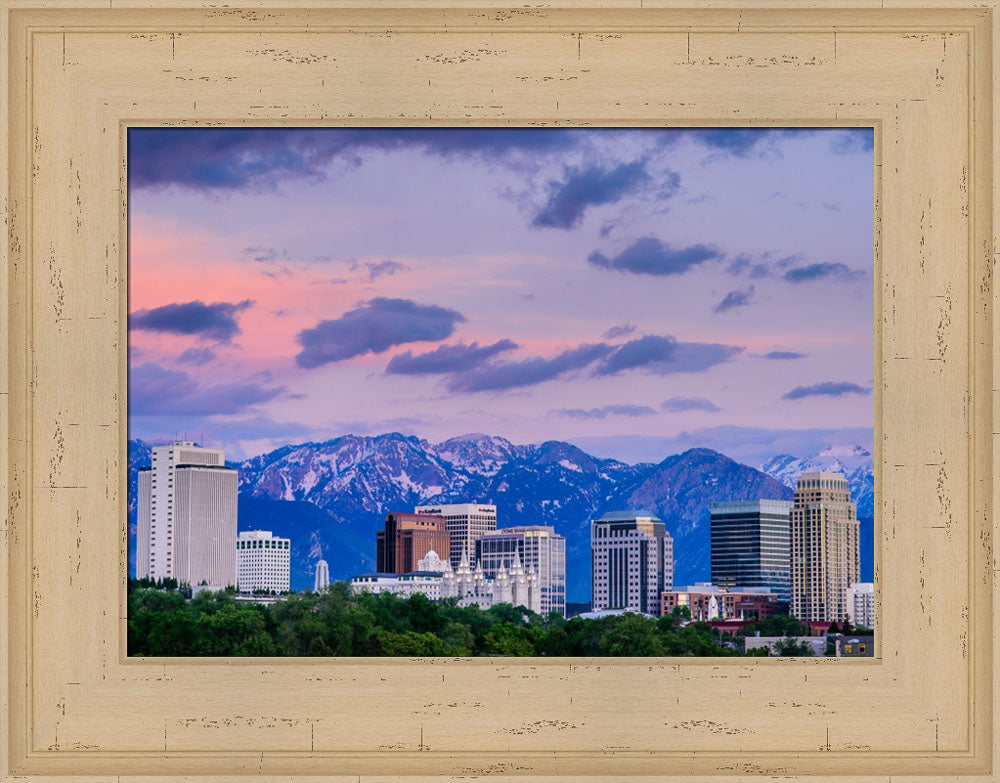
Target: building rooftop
[(625, 516)]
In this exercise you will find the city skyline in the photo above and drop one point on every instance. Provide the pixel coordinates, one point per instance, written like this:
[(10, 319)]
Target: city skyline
[(676, 281)]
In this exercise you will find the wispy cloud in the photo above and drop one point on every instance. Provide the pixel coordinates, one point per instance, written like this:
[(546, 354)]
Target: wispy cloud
[(604, 411), (650, 256), (378, 269), (739, 298), (621, 330), (374, 327), (826, 389), (681, 404), (197, 356), (155, 390), (784, 355), (837, 271)]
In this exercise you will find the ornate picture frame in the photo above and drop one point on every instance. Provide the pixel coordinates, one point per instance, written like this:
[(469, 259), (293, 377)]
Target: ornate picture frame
[(75, 77)]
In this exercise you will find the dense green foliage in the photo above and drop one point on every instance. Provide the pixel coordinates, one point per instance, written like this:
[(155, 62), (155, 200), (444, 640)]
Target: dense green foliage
[(162, 621)]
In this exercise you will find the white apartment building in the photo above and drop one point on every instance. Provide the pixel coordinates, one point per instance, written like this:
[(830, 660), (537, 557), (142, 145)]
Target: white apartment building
[(861, 604), (540, 550), (186, 516), (262, 562), (632, 561), (322, 580), (465, 522)]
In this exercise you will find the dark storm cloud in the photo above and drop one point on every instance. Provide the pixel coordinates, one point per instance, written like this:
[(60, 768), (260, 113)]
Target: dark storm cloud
[(604, 411), (681, 404), (664, 354), (374, 327), (826, 389), (650, 256), (782, 355), (215, 321), (803, 274), (589, 186), (738, 298), (527, 372), (446, 358), (155, 390)]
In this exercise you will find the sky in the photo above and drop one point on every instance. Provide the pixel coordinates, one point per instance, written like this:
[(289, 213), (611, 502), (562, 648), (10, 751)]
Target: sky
[(608, 287)]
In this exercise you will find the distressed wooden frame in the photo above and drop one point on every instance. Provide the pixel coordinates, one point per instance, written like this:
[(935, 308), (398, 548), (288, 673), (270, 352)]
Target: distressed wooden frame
[(75, 76)]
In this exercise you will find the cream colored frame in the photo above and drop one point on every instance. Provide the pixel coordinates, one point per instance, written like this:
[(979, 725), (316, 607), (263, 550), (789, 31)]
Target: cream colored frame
[(75, 76)]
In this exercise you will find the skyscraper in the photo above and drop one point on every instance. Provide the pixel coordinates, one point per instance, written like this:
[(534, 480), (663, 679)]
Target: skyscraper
[(186, 516), (262, 562), (751, 545), (826, 554), (539, 549), (465, 523), (406, 539), (632, 561), (322, 580), (861, 603)]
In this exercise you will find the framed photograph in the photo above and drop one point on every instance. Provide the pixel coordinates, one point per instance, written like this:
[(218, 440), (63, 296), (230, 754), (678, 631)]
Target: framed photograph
[(245, 242)]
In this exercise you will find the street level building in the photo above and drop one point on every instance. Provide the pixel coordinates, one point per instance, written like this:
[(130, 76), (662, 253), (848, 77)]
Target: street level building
[(826, 554), (262, 562), (710, 602), (539, 549), (186, 516), (406, 539), (751, 544), (632, 561), (465, 523)]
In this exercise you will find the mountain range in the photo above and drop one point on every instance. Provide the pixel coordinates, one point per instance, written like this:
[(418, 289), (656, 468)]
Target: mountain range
[(330, 498)]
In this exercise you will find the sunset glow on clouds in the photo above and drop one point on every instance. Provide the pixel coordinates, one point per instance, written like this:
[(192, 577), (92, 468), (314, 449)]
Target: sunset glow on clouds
[(292, 285)]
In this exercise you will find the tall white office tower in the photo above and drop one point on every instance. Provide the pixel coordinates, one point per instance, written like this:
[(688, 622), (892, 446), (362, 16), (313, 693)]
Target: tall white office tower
[(465, 523), (186, 516), (322, 580), (262, 562), (632, 561)]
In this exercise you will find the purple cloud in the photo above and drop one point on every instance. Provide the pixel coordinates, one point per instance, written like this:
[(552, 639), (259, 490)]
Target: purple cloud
[(197, 356), (374, 327), (827, 389), (527, 372), (680, 404), (446, 358), (783, 355), (738, 298), (803, 274), (215, 321), (155, 390), (377, 269), (621, 330), (590, 186), (604, 411), (664, 354), (650, 256)]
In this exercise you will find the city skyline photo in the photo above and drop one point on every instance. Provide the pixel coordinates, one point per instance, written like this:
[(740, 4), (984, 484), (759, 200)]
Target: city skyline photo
[(526, 391)]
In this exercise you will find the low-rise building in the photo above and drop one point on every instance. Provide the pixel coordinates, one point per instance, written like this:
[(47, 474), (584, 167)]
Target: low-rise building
[(816, 643), (848, 646), (713, 602), (262, 562)]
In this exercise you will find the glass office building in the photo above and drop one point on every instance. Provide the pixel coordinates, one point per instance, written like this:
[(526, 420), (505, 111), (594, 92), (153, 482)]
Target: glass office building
[(751, 545)]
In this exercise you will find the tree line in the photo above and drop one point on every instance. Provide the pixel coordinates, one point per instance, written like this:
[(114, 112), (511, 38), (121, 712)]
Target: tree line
[(163, 620)]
